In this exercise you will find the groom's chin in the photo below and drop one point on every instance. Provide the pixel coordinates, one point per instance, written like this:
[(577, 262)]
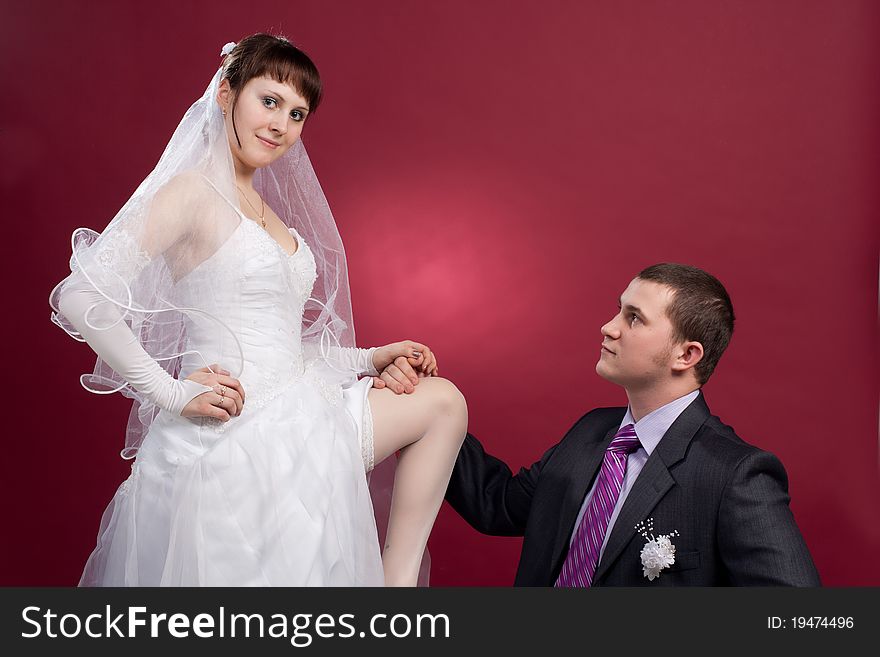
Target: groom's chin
[(607, 373)]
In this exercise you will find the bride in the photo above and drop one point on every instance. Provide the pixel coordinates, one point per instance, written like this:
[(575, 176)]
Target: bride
[(218, 300)]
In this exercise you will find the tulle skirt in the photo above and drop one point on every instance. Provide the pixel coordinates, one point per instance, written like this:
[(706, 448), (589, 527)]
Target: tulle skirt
[(275, 497)]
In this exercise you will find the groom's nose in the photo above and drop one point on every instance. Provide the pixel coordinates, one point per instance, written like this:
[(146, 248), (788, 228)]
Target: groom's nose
[(609, 330)]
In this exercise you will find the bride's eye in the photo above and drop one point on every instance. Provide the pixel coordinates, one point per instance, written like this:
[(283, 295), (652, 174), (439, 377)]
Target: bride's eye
[(269, 102), (296, 115)]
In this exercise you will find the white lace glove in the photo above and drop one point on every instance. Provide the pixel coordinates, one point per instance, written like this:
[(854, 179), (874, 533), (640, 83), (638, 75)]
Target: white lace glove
[(119, 348), (359, 361)]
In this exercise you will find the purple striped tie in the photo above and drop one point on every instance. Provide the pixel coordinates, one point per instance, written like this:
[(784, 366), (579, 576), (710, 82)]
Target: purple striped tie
[(583, 555)]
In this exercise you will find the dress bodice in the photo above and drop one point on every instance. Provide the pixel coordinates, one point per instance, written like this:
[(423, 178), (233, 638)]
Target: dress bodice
[(256, 323)]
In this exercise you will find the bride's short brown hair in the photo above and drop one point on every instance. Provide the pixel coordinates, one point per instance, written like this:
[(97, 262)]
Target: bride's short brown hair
[(276, 57)]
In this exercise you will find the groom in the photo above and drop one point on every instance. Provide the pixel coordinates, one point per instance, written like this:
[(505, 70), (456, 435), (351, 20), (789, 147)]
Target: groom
[(722, 503)]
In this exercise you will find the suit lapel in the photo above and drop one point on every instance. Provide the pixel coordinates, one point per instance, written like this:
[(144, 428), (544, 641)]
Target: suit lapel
[(651, 485), (653, 482)]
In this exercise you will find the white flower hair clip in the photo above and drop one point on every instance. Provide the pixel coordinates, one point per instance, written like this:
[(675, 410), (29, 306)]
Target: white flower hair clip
[(227, 48), (659, 552)]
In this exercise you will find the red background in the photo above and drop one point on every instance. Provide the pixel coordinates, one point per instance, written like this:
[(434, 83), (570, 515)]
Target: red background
[(499, 172)]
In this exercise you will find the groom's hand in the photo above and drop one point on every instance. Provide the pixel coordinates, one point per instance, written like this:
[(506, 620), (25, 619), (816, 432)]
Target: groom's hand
[(403, 373), (400, 376)]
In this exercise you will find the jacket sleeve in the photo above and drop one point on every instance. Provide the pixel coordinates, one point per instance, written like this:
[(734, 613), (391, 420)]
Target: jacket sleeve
[(484, 491), (760, 543)]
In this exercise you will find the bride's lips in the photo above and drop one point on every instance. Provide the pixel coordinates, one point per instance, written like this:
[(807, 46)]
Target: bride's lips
[(269, 143)]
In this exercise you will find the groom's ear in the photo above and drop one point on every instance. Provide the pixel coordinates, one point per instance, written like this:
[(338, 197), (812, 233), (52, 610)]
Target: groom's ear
[(687, 355)]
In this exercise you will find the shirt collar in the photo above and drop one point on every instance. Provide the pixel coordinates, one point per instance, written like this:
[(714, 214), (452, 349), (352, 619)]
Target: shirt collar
[(651, 428)]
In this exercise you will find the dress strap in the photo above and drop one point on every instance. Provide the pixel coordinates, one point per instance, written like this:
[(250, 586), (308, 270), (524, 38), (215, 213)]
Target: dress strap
[(222, 195)]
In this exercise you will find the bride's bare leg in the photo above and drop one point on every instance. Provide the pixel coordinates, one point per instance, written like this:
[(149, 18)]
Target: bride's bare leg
[(428, 426)]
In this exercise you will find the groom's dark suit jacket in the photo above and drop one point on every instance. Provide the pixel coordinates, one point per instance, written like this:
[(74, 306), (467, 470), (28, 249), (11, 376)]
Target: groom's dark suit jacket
[(727, 499)]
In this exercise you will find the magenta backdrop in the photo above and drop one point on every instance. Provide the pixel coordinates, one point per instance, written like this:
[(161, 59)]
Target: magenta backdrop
[(498, 173)]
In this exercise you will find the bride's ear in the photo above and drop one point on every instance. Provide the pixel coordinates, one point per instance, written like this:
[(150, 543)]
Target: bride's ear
[(224, 95)]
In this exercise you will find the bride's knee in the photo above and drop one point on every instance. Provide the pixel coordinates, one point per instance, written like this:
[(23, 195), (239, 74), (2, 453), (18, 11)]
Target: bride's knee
[(448, 400)]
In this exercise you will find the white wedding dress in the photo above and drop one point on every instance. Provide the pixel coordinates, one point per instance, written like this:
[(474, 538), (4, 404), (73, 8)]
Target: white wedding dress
[(275, 497)]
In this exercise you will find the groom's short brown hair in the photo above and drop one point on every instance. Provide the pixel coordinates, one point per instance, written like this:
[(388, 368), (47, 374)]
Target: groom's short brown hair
[(700, 310)]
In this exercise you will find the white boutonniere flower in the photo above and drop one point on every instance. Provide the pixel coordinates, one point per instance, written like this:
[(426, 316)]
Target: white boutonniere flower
[(659, 552)]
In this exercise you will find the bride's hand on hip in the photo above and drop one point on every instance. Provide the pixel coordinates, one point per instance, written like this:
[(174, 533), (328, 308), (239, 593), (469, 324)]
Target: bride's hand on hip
[(225, 400), (402, 364)]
